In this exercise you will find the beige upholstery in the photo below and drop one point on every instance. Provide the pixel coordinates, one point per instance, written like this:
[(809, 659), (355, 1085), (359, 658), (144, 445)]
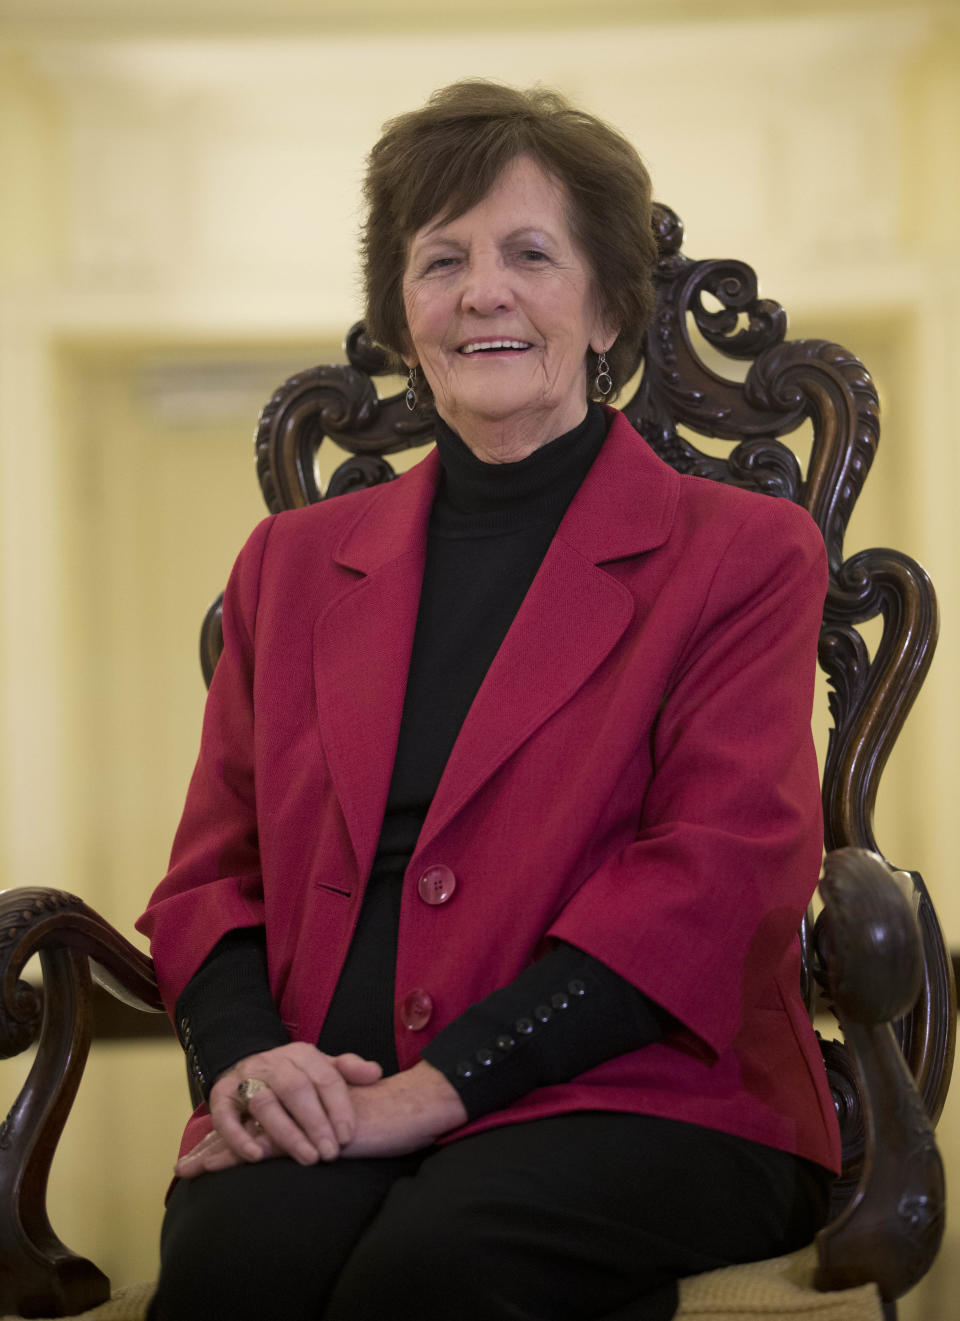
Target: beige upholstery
[(129, 1304), (781, 1287)]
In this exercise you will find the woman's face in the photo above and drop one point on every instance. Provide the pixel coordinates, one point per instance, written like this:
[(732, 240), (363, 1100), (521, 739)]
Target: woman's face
[(501, 310)]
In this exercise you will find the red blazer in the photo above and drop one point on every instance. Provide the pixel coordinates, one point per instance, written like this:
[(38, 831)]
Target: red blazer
[(636, 776)]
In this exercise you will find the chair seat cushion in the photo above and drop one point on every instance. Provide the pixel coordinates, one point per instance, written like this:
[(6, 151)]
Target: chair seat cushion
[(127, 1304), (782, 1286)]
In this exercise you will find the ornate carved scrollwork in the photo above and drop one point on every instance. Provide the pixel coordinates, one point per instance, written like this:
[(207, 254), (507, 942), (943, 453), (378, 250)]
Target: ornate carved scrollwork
[(845, 1090), (926, 1035), (870, 699), (21, 1007), (891, 1229), (870, 956), (813, 378), (342, 403), (786, 383), (678, 389), (38, 1274), (357, 472)]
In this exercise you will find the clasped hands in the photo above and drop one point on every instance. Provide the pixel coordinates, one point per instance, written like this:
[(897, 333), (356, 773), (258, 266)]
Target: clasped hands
[(318, 1107)]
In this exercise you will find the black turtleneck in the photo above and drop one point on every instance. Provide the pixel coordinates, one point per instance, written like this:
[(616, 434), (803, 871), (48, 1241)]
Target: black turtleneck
[(490, 527)]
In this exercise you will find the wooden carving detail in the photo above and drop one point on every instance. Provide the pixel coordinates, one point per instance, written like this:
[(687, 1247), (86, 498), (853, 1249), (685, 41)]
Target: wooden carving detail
[(926, 1035), (870, 699), (845, 1090), (342, 403), (870, 958), (38, 1274), (679, 389)]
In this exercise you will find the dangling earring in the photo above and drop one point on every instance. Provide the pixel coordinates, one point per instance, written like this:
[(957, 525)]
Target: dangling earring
[(410, 398), (604, 381)]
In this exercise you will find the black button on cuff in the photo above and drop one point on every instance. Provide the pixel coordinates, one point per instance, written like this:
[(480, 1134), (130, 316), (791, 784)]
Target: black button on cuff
[(484, 1057), (524, 1026), (577, 987), (559, 1000), (505, 1041), (193, 1064)]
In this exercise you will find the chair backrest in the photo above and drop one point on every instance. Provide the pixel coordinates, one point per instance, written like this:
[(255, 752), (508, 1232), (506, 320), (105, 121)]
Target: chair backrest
[(680, 393)]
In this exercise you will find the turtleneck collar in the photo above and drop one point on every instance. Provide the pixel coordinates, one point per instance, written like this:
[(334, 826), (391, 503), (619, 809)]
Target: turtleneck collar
[(528, 490)]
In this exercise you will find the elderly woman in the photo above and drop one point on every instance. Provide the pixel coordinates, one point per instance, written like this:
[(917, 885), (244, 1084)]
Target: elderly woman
[(480, 926)]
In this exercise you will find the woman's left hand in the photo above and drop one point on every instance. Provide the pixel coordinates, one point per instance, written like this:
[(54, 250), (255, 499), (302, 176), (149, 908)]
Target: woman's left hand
[(403, 1113)]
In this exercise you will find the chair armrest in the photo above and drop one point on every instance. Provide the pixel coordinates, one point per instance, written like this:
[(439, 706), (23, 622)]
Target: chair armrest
[(38, 1274), (871, 963)]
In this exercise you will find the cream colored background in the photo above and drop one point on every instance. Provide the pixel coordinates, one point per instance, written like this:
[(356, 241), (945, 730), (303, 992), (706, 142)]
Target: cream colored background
[(178, 217)]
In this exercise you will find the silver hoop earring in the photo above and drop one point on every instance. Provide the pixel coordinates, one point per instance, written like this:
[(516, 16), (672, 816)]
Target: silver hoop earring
[(410, 398), (604, 381)]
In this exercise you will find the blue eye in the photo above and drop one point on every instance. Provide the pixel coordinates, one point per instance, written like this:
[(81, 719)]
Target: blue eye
[(441, 263), (534, 255)]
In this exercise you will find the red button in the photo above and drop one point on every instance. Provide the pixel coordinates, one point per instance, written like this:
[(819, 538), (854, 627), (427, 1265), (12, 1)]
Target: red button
[(436, 885), (416, 1010)]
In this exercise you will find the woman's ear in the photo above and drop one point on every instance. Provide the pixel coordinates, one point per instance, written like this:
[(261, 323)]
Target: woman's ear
[(408, 353), (605, 338)]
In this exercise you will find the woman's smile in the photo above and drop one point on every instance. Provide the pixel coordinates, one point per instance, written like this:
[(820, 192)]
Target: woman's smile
[(500, 346), (501, 311)]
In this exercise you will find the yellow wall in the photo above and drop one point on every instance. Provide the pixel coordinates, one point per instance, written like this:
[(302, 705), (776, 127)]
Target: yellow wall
[(178, 215)]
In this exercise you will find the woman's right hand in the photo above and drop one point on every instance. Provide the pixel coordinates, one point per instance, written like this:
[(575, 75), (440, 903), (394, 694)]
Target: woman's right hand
[(304, 1111)]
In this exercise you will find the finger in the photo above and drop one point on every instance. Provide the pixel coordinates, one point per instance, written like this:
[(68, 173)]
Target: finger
[(332, 1077), (288, 1107), (292, 1117), (212, 1140), (315, 1095), (357, 1071), (213, 1154), (228, 1120), (334, 1089), (210, 1150), (338, 1108)]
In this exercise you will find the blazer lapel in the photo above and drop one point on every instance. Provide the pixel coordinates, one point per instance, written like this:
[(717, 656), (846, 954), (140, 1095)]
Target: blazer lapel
[(571, 618), (361, 650)]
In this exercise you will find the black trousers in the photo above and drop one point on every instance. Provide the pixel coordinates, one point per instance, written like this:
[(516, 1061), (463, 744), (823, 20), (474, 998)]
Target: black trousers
[(580, 1216)]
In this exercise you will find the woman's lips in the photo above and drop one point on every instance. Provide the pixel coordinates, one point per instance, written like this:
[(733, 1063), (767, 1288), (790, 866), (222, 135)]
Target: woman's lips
[(494, 345)]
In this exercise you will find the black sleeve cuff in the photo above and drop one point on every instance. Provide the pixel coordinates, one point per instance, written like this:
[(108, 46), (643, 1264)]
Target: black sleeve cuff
[(226, 1011), (563, 1015)]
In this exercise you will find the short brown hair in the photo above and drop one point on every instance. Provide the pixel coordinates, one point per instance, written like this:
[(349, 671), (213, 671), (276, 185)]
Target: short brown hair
[(443, 159)]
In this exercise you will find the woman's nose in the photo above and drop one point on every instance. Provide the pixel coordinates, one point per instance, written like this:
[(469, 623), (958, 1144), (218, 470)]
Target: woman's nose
[(486, 287)]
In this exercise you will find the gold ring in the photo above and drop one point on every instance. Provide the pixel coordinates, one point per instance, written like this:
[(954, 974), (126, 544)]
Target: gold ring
[(246, 1088)]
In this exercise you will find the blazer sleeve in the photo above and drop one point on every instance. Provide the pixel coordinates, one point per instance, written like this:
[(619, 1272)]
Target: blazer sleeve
[(700, 909), (214, 882)]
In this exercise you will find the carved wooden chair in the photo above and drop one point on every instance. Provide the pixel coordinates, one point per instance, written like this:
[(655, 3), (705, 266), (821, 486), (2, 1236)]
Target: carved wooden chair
[(875, 957)]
